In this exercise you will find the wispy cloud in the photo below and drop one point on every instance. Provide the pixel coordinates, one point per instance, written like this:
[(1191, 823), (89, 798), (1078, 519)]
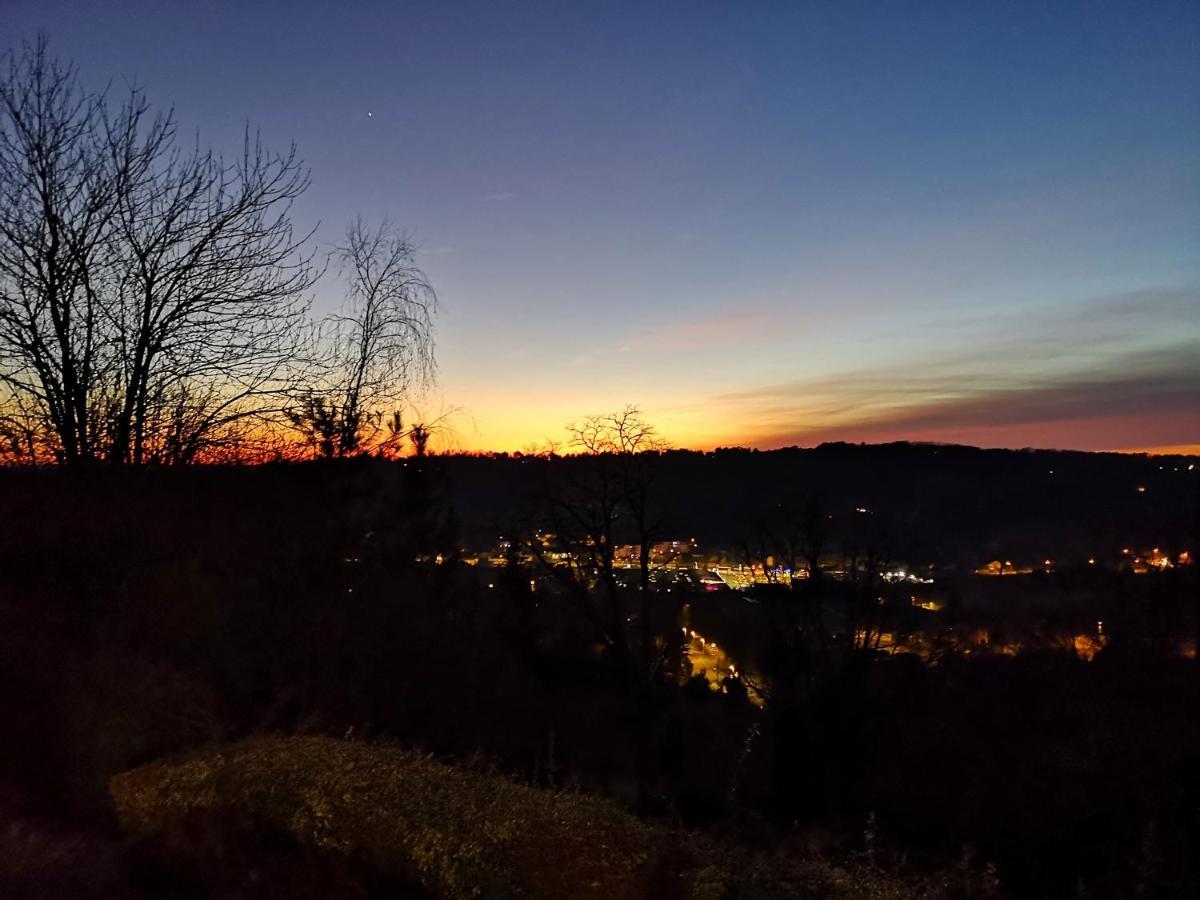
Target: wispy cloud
[(1133, 399), (499, 197)]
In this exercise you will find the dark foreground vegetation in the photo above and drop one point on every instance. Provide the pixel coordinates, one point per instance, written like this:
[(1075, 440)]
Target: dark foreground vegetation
[(461, 832), (148, 614)]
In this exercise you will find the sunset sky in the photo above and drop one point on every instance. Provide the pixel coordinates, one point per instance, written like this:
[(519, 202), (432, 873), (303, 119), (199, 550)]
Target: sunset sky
[(764, 223)]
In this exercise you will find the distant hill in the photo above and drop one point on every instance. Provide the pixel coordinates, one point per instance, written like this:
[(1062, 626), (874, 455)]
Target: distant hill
[(942, 503)]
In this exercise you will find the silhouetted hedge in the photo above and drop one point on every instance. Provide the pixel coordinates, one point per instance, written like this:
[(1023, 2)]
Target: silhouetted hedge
[(462, 832)]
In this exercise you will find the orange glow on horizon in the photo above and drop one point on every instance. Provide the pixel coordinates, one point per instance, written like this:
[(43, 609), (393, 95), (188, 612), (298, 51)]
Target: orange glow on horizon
[(1171, 450), (502, 426)]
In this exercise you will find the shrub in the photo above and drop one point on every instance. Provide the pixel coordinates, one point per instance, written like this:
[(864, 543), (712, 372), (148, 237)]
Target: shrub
[(459, 832)]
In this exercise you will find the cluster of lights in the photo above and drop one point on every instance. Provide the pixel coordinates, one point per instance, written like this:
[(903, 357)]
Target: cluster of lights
[(1140, 563), (710, 646), (1155, 559), (704, 642)]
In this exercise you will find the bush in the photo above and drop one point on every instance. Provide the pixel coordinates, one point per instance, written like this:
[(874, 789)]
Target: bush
[(459, 832)]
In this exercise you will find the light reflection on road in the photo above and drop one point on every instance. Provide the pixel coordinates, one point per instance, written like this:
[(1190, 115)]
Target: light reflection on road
[(708, 659)]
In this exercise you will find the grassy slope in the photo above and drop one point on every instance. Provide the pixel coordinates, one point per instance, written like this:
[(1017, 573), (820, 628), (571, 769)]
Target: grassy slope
[(460, 832)]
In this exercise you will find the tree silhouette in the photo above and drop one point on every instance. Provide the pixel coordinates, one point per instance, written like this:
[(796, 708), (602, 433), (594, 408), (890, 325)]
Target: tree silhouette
[(152, 295), (378, 349), (607, 500)]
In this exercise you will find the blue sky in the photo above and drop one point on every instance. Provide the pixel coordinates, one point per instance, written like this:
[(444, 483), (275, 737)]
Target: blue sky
[(764, 223)]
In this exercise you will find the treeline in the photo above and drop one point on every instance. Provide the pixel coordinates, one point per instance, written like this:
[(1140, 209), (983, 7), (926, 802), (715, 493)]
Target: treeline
[(946, 505), (155, 294)]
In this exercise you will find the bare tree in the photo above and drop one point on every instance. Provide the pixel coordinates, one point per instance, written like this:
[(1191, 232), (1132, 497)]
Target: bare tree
[(210, 307), (55, 207), (606, 500), (23, 436), (427, 425), (625, 448), (152, 298), (379, 348)]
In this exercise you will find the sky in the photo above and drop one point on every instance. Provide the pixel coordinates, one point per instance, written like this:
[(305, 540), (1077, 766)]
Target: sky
[(765, 224)]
